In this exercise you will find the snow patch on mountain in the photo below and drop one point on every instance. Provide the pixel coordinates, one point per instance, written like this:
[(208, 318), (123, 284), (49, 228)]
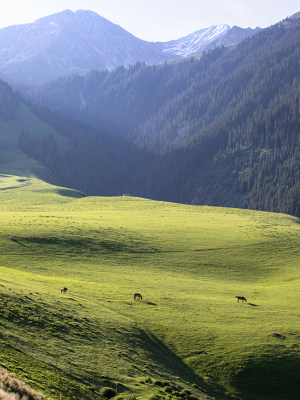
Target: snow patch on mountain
[(196, 42)]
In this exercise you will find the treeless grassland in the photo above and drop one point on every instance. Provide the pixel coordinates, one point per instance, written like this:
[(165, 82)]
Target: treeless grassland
[(188, 334)]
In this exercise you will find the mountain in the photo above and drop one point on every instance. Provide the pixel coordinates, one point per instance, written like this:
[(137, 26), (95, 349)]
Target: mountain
[(76, 42), (66, 43), (224, 127), (207, 39)]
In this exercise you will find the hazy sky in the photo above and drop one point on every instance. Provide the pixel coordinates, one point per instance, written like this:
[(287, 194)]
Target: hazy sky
[(158, 20)]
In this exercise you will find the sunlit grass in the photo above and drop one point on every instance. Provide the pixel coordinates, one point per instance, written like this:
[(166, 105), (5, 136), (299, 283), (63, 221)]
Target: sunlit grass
[(188, 262)]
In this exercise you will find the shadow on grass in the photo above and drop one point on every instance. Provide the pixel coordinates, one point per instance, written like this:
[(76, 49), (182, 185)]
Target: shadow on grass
[(78, 244), (150, 303), (175, 366), (253, 305), (270, 379), (70, 193), (21, 244)]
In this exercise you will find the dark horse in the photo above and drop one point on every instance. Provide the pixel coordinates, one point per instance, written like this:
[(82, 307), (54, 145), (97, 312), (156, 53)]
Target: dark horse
[(63, 289), (137, 296), (241, 298)]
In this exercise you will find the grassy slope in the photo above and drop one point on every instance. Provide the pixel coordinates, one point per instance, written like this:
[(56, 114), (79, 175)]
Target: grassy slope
[(12, 159), (188, 262)]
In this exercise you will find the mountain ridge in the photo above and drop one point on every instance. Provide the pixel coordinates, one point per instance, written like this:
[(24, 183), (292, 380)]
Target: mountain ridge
[(76, 42), (207, 39)]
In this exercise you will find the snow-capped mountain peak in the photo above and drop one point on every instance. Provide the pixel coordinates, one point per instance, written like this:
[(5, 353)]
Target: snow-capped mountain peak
[(196, 42), (76, 42)]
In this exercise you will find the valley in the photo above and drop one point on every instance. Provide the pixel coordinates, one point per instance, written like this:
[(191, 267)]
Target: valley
[(149, 212), (220, 129)]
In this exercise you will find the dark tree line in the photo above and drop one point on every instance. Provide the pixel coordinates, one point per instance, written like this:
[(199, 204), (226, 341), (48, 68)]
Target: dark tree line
[(9, 101)]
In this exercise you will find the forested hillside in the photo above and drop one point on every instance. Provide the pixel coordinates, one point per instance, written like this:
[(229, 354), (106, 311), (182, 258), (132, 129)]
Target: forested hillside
[(9, 101), (226, 125), (39, 142), (162, 107), (243, 149)]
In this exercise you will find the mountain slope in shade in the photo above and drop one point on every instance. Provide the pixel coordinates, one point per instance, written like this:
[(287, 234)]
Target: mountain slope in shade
[(76, 42)]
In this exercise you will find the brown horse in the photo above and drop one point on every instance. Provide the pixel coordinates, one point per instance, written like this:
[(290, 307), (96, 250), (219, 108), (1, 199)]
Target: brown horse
[(63, 289), (241, 298), (137, 296)]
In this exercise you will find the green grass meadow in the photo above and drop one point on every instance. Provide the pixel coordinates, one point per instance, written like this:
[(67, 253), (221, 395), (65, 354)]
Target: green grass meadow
[(188, 338), (12, 159)]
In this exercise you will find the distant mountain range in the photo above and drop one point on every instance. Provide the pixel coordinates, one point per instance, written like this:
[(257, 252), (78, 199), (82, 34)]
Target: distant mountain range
[(77, 42)]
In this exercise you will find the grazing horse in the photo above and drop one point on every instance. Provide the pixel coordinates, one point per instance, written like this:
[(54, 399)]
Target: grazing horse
[(63, 289), (241, 298), (137, 296)]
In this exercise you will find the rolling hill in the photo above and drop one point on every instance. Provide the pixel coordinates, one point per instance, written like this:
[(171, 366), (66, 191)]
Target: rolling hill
[(188, 338)]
